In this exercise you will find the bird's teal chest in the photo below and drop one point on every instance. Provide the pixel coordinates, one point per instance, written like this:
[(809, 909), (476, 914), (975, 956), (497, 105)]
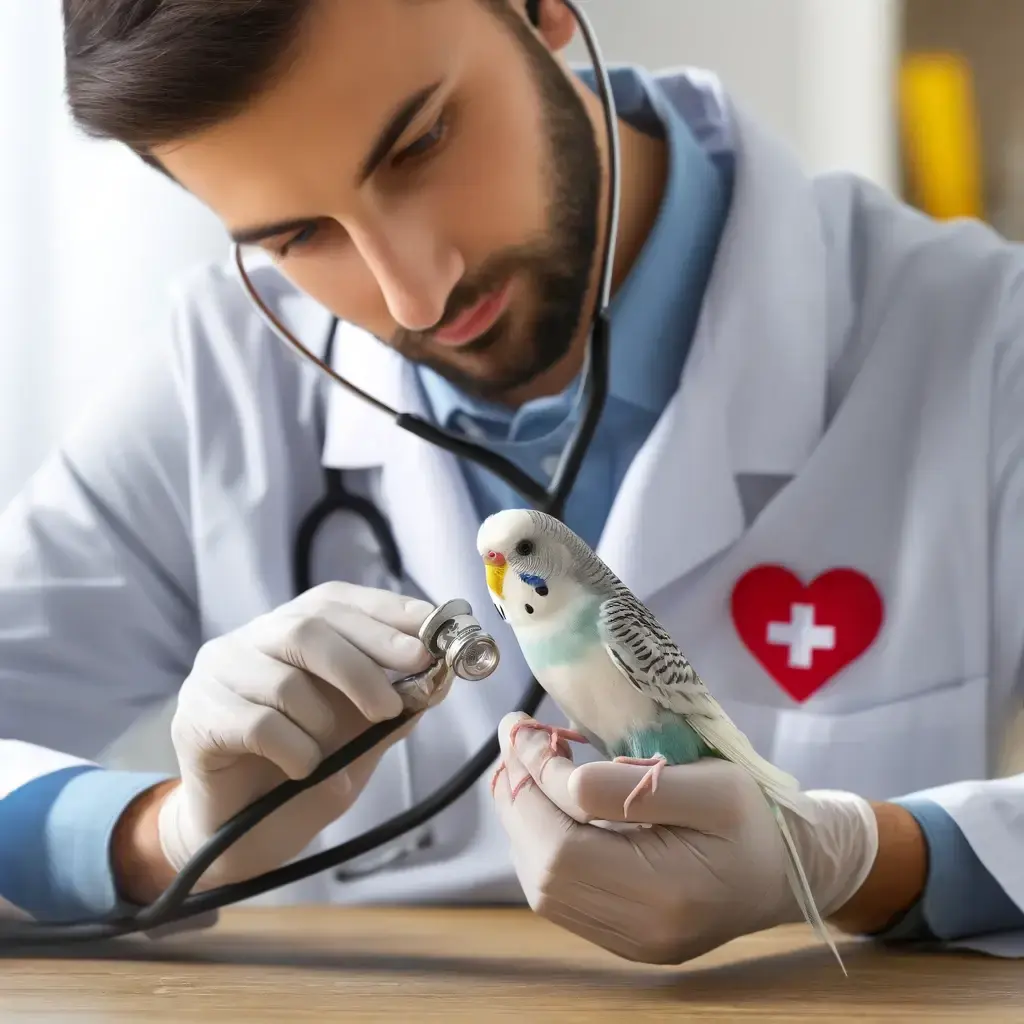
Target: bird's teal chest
[(569, 645)]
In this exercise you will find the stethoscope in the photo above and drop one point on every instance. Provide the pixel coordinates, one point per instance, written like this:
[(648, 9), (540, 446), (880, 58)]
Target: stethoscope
[(177, 903)]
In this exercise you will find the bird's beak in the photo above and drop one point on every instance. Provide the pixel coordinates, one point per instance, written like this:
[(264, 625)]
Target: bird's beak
[(495, 568)]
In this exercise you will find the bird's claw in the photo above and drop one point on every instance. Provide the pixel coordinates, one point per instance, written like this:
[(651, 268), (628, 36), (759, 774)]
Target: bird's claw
[(560, 739), (527, 778), (496, 776), (502, 767), (559, 747), (649, 781)]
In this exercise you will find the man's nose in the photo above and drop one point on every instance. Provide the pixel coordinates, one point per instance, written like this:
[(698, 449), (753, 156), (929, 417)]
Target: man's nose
[(414, 269)]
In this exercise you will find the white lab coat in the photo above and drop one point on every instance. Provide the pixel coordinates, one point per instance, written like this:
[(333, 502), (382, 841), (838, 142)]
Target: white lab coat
[(854, 397)]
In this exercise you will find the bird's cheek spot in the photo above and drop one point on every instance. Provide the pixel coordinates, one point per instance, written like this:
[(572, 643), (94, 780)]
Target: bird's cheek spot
[(529, 609), (542, 591)]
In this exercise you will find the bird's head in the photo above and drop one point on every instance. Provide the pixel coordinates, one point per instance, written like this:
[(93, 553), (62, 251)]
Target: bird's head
[(529, 569)]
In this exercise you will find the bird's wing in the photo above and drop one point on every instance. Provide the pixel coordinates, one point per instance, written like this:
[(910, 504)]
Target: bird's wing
[(652, 662), (650, 659)]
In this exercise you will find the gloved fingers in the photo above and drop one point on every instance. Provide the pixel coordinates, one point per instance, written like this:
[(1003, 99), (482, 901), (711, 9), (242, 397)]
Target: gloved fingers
[(401, 613), (315, 645), (711, 795), (566, 869), (536, 827), (236, 726), (386, 644), (360, 770), (263, 680), (533, 754)]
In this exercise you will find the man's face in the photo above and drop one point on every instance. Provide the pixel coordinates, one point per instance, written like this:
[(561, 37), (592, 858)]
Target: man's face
[(428, 172)]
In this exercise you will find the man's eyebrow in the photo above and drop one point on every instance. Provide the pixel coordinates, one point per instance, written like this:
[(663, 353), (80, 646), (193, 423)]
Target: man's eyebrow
[(394, 129), (391, 133)]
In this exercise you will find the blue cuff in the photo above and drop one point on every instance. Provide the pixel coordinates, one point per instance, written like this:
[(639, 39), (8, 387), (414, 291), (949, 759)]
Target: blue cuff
[(961, 898), (55, 834)]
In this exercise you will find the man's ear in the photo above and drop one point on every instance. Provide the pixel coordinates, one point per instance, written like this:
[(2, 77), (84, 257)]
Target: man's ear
[(554, 21)]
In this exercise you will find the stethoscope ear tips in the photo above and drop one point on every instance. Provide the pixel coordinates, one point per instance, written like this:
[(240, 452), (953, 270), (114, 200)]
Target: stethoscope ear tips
[(451, 633)]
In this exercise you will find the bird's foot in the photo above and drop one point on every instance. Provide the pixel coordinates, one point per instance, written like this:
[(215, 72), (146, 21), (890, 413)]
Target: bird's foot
[(558, 747), (502, 767), (649, 781), (560, 739), (524, 781), (496, 776)]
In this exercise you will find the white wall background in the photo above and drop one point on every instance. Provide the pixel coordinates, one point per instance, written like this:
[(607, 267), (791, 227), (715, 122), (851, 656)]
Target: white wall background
[(90, 237), (818, 72), (88, 240)]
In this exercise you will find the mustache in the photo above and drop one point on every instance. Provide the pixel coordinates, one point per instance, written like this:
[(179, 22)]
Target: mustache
[(468, 292)]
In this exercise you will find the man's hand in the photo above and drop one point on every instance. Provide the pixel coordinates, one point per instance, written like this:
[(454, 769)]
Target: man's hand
[(710, 869), (267, 703)]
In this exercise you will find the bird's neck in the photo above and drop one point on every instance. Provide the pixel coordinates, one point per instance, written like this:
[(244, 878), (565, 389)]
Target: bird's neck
[(577, 616)]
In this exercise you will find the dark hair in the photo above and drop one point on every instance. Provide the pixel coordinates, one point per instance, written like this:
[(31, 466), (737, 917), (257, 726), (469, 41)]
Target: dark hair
[(146, 72)]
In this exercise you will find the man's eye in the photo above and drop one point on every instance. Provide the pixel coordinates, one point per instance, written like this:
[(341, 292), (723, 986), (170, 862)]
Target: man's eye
[(427, 142), (296, 241)]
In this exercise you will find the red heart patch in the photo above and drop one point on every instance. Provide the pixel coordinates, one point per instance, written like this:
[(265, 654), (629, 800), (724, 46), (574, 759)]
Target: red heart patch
[(804, 635)]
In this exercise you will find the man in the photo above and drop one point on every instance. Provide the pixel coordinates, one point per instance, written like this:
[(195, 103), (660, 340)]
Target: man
[(809, 382)]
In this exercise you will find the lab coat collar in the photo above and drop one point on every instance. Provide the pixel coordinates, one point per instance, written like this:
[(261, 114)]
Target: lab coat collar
[(751, 398), (751, 401), (424, 492), (765, 316)]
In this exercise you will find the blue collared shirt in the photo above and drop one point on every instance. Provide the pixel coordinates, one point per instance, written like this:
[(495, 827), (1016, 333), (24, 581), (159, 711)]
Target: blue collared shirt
[(653, 316)]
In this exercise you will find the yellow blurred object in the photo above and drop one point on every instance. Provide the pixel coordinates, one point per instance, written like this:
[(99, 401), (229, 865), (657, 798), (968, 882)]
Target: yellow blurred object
[(941, 135)]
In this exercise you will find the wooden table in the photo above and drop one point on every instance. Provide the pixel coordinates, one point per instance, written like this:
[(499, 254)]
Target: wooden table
[(479, 965)]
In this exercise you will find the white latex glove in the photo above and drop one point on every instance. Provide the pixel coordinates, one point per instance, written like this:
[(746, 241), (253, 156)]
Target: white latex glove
[(268, 702), (710, 870)]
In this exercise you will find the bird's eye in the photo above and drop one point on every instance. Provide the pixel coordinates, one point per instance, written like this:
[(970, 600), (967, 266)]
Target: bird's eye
[(542, 591), (529, 609), (524, 548)]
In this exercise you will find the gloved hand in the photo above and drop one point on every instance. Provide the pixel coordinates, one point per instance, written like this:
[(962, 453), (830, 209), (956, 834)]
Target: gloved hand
[(710, 870), (268, 702)]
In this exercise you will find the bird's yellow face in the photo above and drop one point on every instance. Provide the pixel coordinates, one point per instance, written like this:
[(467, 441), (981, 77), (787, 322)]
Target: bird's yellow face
[(513, 553), (495, 568), (496, 542)]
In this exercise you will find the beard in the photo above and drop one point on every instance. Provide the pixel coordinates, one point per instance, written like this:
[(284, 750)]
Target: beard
[(555, 270)]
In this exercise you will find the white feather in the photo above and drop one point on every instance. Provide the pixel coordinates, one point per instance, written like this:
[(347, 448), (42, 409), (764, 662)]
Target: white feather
[(651, 661), (590, 692), (800, 886), (725, 736)]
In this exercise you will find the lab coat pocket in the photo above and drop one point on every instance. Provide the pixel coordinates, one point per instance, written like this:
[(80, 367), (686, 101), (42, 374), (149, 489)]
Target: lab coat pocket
[(937, 736)]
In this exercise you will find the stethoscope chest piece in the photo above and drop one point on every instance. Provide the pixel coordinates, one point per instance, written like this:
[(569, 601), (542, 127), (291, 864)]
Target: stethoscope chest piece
[(459, 647), (452, 634)]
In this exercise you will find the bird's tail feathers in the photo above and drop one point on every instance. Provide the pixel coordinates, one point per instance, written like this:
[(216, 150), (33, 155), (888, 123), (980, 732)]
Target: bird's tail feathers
[(793, 800), (799, 884), (721, 733)]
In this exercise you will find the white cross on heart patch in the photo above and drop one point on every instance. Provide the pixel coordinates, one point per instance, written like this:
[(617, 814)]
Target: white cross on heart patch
[(803, 634)]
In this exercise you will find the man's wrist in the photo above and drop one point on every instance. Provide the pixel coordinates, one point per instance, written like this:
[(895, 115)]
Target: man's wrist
[(897, 878), (141, 871)]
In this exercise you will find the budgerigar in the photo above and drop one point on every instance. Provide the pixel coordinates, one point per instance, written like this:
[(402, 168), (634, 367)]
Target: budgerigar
[(617, 675)]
